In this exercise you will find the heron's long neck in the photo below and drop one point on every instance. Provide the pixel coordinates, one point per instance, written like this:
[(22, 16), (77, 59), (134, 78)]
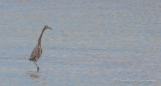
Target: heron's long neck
[(39, 41)]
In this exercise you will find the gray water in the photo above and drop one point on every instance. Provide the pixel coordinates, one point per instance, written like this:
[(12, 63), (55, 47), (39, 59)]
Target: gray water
[(93, 42)]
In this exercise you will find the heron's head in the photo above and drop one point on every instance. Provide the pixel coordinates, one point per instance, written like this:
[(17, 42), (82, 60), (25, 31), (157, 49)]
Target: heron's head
[(47, 27)]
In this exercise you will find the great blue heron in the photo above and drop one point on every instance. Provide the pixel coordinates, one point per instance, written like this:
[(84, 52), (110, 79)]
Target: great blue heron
[(36, 53)]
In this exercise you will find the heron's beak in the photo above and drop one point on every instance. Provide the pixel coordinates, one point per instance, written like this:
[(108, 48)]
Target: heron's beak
[(50, 28)]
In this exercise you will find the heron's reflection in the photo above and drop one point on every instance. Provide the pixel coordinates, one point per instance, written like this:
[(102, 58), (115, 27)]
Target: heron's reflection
[(34, 75)]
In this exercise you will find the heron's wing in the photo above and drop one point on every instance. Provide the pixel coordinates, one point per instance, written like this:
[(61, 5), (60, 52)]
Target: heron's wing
[(34, 52), (32, 56)]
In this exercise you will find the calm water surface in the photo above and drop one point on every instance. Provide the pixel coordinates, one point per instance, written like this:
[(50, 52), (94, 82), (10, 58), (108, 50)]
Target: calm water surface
[(93, 42)]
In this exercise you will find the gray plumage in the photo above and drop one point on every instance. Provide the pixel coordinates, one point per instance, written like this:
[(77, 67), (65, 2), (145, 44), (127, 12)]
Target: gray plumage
[(36, 53)]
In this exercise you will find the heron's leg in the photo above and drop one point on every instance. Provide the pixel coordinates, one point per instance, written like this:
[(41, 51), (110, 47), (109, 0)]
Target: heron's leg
[(37, 66)]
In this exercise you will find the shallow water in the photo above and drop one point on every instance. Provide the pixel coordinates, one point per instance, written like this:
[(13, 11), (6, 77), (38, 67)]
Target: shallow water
[(93, 43)]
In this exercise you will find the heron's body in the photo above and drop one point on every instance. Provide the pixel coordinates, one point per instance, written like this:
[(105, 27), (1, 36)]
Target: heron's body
[(36, 53)]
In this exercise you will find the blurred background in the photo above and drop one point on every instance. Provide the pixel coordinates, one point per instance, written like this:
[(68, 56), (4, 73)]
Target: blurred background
[(93, 42)]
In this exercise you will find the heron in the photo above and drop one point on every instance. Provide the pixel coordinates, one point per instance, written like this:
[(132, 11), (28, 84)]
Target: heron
[(36, 53)]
